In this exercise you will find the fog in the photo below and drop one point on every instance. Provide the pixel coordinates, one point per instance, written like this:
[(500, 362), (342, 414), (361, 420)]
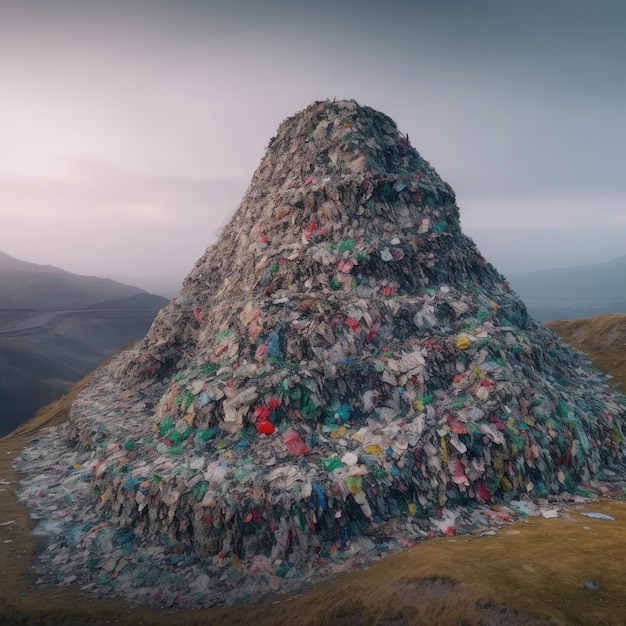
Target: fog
[(131, 130)]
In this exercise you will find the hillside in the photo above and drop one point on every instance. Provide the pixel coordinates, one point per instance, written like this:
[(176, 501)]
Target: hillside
[(528, 573), (55, 327), (574, 292), (38, 367), (603, 339), (138, 301)]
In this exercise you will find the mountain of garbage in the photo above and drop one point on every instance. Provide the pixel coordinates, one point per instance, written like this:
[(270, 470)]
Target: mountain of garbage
[(342, 373)]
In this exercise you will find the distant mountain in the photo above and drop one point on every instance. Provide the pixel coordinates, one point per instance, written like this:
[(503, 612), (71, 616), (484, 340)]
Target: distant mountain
[(141, 300), (574, 292), (24, 284), (167, 287), (55, 327)]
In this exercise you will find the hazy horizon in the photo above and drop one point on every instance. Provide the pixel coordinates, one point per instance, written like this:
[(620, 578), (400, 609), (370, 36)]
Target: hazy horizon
[(131, 131), (170, 285)]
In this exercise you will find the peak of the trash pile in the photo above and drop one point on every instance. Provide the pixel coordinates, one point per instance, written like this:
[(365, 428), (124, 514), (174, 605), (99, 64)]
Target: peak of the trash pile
[(341, 207), (341, 372)]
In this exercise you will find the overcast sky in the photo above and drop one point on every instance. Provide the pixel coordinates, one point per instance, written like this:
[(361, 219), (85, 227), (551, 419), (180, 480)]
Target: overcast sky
[(129, 130)]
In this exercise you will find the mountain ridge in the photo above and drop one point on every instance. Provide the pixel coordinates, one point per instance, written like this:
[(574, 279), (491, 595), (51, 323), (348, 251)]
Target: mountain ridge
[(573, 292), (26, 284)]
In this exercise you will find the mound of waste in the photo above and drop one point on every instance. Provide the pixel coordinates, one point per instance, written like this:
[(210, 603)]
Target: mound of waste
[(341, 373)]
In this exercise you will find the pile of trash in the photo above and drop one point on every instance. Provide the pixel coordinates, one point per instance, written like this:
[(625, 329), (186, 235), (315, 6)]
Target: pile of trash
[(341, 374)]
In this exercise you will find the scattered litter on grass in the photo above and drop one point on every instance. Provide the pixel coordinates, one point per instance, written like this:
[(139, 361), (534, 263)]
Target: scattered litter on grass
[(603, 516), (592, 585)]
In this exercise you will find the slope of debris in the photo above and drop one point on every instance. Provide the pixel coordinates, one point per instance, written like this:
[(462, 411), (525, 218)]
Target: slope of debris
[(341, 372)]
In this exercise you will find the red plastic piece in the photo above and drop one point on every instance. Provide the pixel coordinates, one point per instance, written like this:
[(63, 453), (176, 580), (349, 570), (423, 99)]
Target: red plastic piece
[(294, 443), (274, 403), (311, 228), (483, 492), (265, 428), (261, 413), (353, 324), (456, 427)]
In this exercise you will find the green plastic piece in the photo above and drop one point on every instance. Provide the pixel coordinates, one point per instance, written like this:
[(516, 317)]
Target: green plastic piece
[(166, 425), (331, 464), (206, 434), (200, 489), (348, 244), (176, 437)]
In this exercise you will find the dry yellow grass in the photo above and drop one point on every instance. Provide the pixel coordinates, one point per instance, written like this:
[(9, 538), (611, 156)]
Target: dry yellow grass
[(603, 338), (531, 570)]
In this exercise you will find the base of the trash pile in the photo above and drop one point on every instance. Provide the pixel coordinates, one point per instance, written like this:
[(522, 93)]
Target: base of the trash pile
[(107, 560)]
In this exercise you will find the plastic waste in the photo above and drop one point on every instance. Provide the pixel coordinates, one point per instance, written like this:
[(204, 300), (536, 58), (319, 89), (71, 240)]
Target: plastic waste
[(602, 516), (265, 428), (343, 308), (294, 443)]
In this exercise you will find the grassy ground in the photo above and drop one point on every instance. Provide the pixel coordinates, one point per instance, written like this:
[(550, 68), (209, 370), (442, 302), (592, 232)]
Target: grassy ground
[(529, 572), (603, 338)]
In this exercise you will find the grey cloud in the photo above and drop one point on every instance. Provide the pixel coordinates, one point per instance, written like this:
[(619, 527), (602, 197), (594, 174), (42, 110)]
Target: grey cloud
[(112, 219), (165, 109)]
